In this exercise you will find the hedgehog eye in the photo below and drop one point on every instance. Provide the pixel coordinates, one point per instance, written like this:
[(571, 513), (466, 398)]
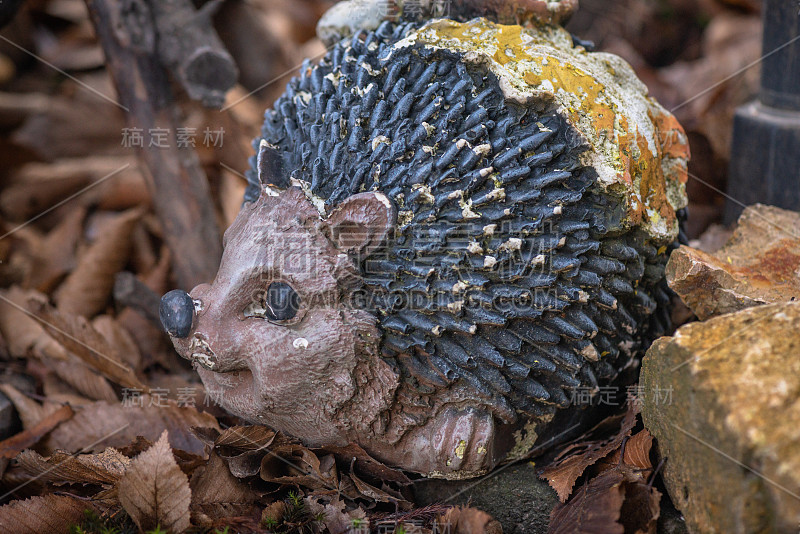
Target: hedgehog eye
[(281, 302)]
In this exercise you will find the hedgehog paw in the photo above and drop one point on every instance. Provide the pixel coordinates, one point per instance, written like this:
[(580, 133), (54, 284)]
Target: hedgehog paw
[(462, 440)]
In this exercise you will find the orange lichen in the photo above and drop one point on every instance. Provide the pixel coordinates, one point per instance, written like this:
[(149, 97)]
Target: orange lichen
[(639, 149)]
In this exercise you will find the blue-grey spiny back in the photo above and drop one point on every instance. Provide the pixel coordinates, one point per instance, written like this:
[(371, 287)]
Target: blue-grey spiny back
[(503, 272)]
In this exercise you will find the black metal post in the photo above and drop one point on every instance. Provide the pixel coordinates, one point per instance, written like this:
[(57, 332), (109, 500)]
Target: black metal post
[(765, 155)]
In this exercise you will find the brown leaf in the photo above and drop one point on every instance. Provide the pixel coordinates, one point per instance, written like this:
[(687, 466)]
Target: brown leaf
[(467, 521), (641, 507), (594, 509), (371, 492), (334, 514), (25, 335), (30, 411), (49, 514), (155, 492), (56, 390), (83, 379), (216, 493), (102, 424), (118, 337), (64, 468), (56, 255), (12, 446), (247, 464), (296, 464), (573, 461), (274, 512), (637, 452), (78, 336), (87, 289), (245, 438), (368, 465)]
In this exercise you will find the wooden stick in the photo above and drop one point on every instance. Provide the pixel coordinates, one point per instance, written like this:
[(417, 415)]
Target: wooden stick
[(176, 180), (190, 48), (132, 292)]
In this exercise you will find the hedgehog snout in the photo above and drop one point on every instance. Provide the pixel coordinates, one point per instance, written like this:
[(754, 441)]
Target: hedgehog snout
[(176, 312)]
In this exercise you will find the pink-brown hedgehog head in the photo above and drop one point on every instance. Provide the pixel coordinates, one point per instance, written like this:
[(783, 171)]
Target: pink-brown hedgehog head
[(275, 337)]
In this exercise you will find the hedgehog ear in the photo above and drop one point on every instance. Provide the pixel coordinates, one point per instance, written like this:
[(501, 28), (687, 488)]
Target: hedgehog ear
[(361, 223), (270, 165)]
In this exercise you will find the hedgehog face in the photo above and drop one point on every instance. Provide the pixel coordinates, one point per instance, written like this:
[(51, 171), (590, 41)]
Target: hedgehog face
[(273, 336)]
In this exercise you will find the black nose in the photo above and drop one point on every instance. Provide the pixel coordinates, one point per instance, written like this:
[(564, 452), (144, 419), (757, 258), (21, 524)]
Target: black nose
[(177, 312)]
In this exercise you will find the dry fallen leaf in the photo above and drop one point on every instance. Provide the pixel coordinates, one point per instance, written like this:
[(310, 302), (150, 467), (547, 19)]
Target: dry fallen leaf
[(87, 289), (216, 493), (78, 336), (25, 335), (468, 521), (367, 465), (245, 438), (619, 501), (30, 412), (12, 446), (594, 509), (641, 507), (101, 424), (296, 464), (155, 492), (617, 498), (119, 338), (48, 514), (568, 468), (56, 255), (637, 452), (335, 516), (64, 468), (83, 379)]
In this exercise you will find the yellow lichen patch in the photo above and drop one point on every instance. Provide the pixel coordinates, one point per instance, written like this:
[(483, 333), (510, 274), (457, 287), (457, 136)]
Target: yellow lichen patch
[(638, 148), (461, 449)]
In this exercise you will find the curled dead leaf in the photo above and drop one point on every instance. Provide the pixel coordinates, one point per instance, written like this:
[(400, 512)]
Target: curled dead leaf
[(595, 508), (83, 379), (296, 464), (619, 501), (568, 467), (637, 453)]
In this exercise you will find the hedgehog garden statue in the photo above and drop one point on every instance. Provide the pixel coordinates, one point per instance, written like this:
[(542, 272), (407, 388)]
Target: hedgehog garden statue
[(452, 226)]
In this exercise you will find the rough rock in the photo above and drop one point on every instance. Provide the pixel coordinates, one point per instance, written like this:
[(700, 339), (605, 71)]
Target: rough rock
[(514, 495), (714, 238), (760, 264), (722, 398)]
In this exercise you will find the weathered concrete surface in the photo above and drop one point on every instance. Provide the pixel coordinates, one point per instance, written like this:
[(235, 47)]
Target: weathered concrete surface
[(760, 264), (514, 495), (730, 426)]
